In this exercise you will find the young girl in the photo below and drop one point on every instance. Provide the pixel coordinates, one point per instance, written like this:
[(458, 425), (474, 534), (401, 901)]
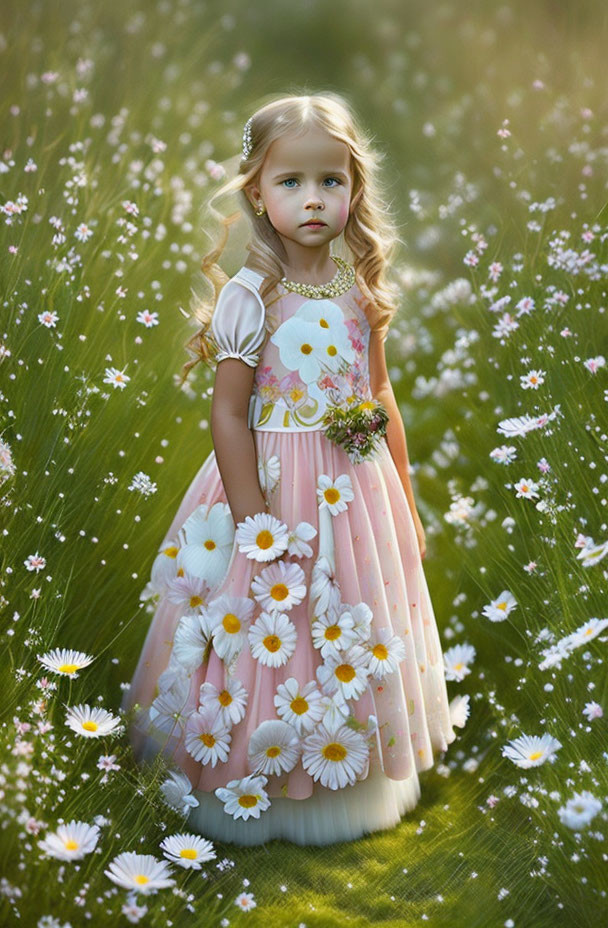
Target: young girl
[(293, 668)]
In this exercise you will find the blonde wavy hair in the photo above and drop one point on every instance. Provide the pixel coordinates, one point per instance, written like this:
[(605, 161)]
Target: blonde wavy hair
[(370, 234)]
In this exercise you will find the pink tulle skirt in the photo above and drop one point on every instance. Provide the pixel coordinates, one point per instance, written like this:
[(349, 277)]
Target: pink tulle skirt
[(377, 561)]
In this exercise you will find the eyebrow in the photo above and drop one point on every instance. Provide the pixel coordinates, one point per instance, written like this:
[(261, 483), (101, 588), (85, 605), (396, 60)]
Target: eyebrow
[(299, 174)]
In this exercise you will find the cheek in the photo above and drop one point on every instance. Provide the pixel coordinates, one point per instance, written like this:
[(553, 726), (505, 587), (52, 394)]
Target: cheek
[(343, 214)]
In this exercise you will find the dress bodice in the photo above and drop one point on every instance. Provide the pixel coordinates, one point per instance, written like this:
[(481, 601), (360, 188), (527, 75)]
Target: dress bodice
[(312, 352)]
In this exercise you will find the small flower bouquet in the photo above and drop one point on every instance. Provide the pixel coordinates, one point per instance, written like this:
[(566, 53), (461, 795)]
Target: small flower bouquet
[(357, 426)]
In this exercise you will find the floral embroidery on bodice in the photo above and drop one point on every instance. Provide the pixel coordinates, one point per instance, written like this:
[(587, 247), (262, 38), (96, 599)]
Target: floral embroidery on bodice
[(317, 354)]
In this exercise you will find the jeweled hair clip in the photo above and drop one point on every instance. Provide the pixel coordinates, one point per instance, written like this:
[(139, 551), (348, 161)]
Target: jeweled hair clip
[(247, 138)]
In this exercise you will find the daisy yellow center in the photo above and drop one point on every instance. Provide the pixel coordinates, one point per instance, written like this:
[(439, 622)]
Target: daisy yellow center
[(68, 668), (264, 539), (171, 551), (533, 379), (207, 739), (334, 751), (380, 651), (536, 755), (189, 853), (225, 698), (71, 845), (366, 405), (524, 486), (279, 591), (273, 751), (458, 665), (296, 394), (306, 348), (345, 673), (299, 705), (332, 495), (332, 351), (195, 601), (272, 642), (323, 323), (231, 623), (501, 605), (332, 632), (209, 544), (588, 631), (141, 878), (248, 801), (90, 726)]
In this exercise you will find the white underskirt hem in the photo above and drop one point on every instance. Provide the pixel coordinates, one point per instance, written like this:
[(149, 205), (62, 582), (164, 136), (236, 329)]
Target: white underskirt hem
[(326, 817)]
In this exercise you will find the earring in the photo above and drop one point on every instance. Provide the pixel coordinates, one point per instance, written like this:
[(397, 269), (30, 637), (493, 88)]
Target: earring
[(260, 211)]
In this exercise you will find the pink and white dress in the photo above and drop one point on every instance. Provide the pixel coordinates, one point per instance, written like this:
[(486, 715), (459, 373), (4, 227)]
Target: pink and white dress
[(303, 696)]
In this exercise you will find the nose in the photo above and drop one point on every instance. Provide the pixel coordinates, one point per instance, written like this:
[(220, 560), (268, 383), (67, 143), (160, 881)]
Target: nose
[(315, 202)]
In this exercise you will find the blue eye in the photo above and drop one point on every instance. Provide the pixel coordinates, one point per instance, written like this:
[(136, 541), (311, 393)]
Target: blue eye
[(294, 178)]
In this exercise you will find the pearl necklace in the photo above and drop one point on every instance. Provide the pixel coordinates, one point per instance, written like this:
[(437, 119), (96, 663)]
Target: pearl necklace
[(340, 283)]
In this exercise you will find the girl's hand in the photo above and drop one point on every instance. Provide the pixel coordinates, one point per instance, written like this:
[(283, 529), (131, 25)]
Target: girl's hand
[(420, 535)]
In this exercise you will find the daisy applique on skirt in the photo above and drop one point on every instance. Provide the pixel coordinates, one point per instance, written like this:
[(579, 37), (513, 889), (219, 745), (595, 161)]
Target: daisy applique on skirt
[(292, 671)]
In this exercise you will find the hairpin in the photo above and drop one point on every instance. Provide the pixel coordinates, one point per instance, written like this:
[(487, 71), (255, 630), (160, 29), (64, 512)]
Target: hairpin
[(247, 138)]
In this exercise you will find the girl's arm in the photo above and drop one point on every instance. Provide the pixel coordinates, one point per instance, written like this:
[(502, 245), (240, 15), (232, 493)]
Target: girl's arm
[(233, 440), (382, 390)]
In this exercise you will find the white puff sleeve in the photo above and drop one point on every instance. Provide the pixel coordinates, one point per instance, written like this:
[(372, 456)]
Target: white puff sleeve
[(237, 323)]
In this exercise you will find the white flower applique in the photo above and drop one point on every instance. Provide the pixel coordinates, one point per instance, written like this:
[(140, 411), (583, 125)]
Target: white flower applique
[(314, 340)]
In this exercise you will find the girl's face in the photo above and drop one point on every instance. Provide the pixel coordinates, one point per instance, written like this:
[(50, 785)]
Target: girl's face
[(303, 177)]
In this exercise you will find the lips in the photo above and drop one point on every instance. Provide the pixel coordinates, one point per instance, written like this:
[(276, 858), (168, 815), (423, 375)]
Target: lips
[(314, 222)]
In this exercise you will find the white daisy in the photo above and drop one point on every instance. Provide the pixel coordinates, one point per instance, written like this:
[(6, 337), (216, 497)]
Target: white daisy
[(209, 536), (501, 607), (459, 710), (585, 632), (579, 810), (245, 901), (274, 748), (346, 672), (65, 661), (190, 642), (230, 701), (169, 709), (177, 792), (593, 553), (335, 758), (207, 738), (336, 710), (269, 473), (187, 591), (324, 586), (362, 620), (228, 618), (245, 797), (279, 587), (140, 872), (333, 632), (272, 639), (385, 651), (188, 851), (297, 542), (71, 842), (334, 494), (262, 537), (302, 347), (456, 660), (164, 567), (300, 707), (92, 722), (531, 750)]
